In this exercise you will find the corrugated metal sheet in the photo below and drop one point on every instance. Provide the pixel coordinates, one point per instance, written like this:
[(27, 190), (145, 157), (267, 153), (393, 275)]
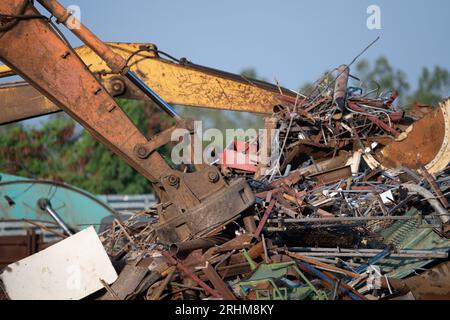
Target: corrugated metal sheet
[(407, 235)]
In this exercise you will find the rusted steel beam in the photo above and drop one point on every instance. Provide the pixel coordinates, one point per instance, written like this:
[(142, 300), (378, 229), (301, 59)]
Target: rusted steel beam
[(233, 270), (323, 265), (250, 224), (239, 242), (190, 274), (191, 245), (160, 289), (334, 175), (129, 279), (293, 178), (264, 218), (23, 102)]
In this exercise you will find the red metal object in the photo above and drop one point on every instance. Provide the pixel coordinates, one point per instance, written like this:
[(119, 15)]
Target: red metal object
[(239, 156), (391, 99), (264, 218), (375, 120), (396, 116)]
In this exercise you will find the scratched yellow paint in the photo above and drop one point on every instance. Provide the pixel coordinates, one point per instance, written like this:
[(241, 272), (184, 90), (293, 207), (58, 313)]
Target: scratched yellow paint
[(189, 85), (178, 84)]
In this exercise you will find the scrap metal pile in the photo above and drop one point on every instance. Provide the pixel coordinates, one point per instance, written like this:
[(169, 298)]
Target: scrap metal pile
[(351, 203), (331, 221)]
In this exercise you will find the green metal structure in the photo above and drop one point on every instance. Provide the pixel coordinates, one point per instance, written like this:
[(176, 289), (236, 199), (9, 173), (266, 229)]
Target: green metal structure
[(19, 201)]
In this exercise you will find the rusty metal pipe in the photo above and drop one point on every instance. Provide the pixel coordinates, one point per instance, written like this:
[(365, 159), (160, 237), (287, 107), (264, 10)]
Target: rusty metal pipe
[(264, 219), (340, 90)]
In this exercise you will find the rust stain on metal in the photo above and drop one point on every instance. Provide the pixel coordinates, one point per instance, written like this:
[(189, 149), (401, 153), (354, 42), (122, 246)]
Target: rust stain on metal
[(420, 147), (433, 284)]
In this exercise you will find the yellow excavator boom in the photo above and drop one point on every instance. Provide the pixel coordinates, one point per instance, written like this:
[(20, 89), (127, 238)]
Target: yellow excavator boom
[(179, 82)]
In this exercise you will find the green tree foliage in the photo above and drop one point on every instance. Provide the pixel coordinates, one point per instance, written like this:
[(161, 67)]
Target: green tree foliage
[(60, 150), (432, 85), (320, 85), (249, 73)]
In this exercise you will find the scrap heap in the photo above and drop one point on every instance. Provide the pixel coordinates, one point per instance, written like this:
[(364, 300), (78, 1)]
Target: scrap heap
[(351, 203), (331, 220)]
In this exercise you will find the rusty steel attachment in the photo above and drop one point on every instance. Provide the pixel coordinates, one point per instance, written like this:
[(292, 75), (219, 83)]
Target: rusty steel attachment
[(189, 207)]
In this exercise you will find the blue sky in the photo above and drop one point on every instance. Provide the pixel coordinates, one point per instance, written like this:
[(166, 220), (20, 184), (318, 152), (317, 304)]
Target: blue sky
[(292, 41)]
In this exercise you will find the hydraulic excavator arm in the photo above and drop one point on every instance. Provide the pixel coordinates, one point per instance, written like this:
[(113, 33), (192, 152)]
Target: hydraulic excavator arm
[(193, 203), (179, 82)]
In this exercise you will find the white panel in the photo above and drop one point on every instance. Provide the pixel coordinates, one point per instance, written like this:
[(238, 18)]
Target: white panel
[(68, 270)]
